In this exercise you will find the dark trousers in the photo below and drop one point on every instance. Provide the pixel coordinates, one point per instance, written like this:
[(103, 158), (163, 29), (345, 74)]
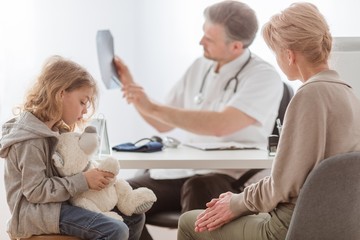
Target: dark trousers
[(182, 194)]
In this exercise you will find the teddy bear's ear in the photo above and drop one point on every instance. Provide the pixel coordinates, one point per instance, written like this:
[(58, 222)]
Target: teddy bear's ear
[(89, 140), (90, 129)]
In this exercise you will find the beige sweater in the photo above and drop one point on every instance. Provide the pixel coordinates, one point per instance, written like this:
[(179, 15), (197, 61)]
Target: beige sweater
[(322, 120)]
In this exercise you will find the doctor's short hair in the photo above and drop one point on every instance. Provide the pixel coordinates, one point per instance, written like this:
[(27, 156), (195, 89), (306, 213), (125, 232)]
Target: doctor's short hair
[(238, 19), (300, 27)]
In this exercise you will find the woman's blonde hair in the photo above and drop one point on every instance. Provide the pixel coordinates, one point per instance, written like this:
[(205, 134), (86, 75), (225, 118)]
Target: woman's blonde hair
[(300, 27), (57, 75)]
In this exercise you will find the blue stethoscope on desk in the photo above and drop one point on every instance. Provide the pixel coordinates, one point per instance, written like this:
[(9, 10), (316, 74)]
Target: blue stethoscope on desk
[(198, 99)]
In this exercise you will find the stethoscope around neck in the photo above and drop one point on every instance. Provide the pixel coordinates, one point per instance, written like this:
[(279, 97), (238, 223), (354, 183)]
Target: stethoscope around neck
[(198, 99)]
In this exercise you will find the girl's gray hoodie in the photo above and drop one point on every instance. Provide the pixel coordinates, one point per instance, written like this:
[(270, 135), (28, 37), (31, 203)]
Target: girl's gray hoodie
[(34, 190)]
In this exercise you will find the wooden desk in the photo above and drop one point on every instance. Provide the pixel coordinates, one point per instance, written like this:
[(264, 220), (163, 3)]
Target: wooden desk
[(186, 157)]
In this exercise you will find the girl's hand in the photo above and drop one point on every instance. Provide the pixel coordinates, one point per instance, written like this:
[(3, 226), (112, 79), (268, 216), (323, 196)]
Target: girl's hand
[(97, 179)]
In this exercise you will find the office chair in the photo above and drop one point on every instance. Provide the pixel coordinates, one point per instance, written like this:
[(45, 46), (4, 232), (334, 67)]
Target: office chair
[(288, 93), (328, 205), (170, 219)]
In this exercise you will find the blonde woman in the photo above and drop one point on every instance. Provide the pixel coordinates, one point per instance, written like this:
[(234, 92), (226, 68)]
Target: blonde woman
[(323, 111)]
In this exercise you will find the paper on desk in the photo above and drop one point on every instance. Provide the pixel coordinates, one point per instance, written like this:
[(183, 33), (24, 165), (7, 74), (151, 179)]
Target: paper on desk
[(220, 146)]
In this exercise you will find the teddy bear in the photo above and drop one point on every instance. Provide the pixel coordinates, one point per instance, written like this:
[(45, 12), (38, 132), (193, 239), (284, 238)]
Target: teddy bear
[(73, 154)]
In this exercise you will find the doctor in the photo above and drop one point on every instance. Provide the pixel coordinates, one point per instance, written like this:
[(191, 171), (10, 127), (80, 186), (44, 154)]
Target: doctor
[(230, 94)]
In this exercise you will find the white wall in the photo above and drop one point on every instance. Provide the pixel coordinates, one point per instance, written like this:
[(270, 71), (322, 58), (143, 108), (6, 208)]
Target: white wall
[(158, 39), (345, 59)]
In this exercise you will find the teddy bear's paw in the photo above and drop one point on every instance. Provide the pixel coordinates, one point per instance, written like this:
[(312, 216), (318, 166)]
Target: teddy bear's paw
[(113, 215), (143, 207), (139, 200), (109, 165)]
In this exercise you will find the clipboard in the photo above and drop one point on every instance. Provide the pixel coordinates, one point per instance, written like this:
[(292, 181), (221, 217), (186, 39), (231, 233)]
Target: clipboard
[(216, 146), (105, 52)]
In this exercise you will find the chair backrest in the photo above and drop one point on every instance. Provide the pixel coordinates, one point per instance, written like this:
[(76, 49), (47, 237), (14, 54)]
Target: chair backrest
[(328, 206), (288, 93)]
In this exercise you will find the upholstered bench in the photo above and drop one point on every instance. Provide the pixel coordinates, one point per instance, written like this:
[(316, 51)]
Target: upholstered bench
[(52, 237)]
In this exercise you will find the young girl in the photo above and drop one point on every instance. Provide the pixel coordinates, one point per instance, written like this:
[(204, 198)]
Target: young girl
[(36, 195)]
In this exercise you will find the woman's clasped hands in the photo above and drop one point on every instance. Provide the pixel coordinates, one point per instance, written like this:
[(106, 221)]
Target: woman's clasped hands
[(216, 214)]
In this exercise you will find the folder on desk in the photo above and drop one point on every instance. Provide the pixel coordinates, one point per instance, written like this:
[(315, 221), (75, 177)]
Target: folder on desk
[(220, 146)]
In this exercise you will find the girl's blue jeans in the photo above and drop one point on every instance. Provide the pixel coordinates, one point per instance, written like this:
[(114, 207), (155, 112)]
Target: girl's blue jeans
[(85, 224)]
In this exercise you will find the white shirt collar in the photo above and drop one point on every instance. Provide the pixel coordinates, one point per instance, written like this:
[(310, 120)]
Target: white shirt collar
[(235, 64)]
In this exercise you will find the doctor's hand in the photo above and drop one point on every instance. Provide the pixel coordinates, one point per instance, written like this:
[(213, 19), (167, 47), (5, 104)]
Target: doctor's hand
[(123, 71), (136, 95), (216, 215)]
